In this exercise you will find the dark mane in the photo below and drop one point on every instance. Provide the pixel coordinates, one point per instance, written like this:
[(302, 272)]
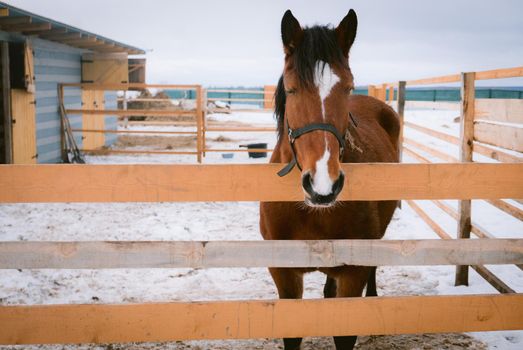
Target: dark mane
[(319, 43)]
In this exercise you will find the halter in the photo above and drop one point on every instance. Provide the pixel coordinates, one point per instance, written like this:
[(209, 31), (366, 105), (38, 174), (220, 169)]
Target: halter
[(295, 133)]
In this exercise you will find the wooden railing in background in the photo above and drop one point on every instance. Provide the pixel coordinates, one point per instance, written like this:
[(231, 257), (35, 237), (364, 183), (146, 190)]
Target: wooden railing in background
[(484, 123), (196, 114)]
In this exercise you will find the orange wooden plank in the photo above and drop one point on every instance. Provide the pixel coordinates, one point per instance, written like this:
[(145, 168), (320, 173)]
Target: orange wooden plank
[(253, 182), (157, 322)]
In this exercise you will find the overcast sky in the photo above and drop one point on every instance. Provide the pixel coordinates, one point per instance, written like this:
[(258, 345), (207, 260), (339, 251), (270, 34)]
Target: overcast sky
[(238, 42)]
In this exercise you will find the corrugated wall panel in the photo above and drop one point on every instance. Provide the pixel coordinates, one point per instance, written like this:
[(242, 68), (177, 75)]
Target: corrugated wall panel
[(111, 122), (53, 64)]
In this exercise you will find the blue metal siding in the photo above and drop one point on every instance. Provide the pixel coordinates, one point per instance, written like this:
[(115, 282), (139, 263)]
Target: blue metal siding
[(53, 64), (111, 122)]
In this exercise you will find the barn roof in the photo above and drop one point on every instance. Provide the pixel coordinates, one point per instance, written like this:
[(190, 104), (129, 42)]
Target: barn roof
[(13, 19)]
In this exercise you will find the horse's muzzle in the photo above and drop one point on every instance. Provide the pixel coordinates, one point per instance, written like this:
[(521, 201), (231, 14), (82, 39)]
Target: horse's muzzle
[(314, 199)]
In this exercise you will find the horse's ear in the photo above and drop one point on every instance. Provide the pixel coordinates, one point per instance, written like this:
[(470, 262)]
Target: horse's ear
[(291, 32), (346, 31)]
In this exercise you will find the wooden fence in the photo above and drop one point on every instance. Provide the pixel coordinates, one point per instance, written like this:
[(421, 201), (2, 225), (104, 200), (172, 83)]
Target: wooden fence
[(31, 324), (198, 123), (484, 123), (38, 324), (197, 115)]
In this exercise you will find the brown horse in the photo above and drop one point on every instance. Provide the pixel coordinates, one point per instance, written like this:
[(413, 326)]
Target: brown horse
[(320, 125)]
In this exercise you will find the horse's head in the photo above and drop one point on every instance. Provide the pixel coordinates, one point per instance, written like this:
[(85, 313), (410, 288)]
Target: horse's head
[(312, 103)]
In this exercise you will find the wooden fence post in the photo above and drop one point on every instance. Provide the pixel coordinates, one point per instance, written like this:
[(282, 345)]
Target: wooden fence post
[(199, 126), (6, 98), (466, 148), (401, 112), (371, 90), (391, 94)]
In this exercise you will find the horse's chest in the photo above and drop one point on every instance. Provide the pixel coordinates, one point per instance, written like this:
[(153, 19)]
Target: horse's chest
[(338, 225)]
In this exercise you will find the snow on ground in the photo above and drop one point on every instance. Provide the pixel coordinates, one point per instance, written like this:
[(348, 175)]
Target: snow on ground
[(234, 221)]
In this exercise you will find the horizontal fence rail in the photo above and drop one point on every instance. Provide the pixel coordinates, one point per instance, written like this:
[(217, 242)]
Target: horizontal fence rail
[(258, 182), (295, 253), (454, 78), (158, 322)]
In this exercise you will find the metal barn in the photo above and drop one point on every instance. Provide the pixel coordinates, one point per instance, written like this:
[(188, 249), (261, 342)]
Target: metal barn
[(36, 54)]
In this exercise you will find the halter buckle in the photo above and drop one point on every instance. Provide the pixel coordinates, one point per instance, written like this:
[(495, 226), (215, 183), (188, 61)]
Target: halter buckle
[(291, 138)]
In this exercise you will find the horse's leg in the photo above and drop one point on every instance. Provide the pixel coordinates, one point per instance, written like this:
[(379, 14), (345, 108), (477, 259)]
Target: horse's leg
[(289, 283), (371, 284), (350, 283)]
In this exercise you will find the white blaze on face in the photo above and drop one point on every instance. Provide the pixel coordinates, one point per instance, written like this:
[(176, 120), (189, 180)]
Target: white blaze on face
[(324, 79), (322, 183)]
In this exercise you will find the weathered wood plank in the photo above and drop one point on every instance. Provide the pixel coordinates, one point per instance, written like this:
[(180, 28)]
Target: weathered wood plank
[(328, 253), (199, 123), (494, 280), (496, 154), (253, 182), (500, 110), (23, 134), (156, 322), (435, 80), (144, 132), (401, 114), (7, 121), (507, 208), (500, 135), (131, 112), (96, 86), (502, 73), (124, 151), (429, 221), (432, 151), (466, 144)]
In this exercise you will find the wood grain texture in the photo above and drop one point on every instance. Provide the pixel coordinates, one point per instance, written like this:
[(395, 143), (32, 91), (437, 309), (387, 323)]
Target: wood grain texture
[(199, 124), (131, 112), (97, 86), (494, 280), (432, 151), (295, 253), (157, 322), (99, 131), (500, 135), (466, 144), (123, 151), (93, 100), (401, 114), (23, 114), (483, 75), (507, 208), (429, 221), (436, 80), (254, 182), (501, 110), (502, 73)]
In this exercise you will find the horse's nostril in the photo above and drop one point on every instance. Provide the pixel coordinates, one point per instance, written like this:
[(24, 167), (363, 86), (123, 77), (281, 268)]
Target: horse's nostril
[(317, 199), (306, 182), (338, 185)]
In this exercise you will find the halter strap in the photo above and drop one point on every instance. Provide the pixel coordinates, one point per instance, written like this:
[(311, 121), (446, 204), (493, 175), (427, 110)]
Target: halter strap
[(294, 134)]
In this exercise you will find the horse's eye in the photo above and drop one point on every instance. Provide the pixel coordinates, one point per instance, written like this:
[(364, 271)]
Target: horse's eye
[(290, 91), (348, 90)]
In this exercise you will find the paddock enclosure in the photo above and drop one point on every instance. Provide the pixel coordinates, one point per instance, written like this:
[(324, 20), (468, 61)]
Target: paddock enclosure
[(496, 178)]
